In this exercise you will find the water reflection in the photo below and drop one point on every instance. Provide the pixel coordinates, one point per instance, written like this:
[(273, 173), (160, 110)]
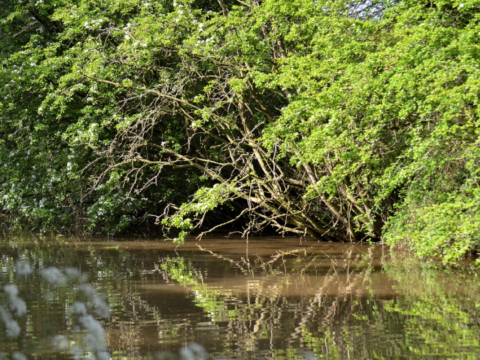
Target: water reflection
[(272, 299)]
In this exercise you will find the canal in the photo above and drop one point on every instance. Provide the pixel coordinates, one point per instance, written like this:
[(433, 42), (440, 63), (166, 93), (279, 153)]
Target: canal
[(270, 298)]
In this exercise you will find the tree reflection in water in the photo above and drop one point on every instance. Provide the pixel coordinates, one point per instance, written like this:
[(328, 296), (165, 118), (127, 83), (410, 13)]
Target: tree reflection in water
[(330, 302)]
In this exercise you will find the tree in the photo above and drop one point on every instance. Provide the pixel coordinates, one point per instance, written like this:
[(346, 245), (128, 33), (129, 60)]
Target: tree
[(319, 117)]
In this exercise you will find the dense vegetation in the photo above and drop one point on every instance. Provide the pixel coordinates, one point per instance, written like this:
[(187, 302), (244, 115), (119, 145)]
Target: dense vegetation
[(342, 119)]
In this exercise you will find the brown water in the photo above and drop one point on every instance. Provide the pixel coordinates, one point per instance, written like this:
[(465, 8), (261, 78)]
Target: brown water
[(272, 298)]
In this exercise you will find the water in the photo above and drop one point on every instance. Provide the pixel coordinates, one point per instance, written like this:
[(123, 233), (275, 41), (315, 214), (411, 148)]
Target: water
[(272, 298)]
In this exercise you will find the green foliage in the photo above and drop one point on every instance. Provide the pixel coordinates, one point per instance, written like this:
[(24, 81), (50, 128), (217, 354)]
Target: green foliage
[(204, 200), (332, 118), (389, 114)]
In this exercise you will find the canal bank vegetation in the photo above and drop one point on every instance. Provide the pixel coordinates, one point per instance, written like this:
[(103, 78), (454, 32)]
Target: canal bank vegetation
[(344, 120)]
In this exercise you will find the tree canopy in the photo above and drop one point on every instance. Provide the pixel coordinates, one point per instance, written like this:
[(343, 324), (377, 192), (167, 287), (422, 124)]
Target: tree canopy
[(346, 120)]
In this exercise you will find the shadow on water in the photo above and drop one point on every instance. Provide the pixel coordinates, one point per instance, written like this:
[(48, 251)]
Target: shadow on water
[(272, 298)]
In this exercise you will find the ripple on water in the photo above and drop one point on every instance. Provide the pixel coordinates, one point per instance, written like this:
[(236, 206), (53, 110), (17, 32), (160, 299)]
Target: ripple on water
[(273, 298)]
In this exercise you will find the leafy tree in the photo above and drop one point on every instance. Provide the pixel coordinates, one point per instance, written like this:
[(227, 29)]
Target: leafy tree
[(341, 119)]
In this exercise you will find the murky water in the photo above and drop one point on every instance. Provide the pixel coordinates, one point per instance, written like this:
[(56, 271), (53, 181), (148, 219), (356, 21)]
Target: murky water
[(271, 299)]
